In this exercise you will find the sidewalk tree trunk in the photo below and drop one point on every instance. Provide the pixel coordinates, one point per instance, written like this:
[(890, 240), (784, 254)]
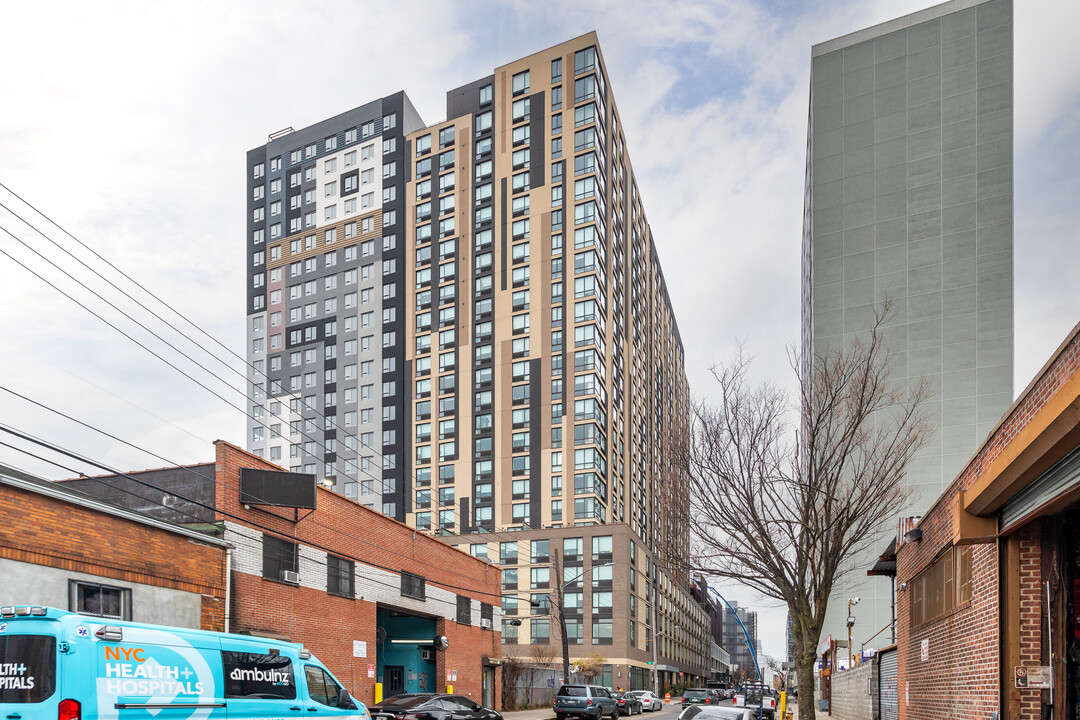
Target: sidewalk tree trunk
[(788, 492)]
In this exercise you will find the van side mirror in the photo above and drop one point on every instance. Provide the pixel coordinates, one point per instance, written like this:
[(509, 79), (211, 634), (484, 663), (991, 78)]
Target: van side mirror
[(345, 701)]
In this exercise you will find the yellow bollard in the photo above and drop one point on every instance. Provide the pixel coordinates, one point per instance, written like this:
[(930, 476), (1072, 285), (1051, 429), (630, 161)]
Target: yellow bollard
[(783, 703), (449, 689), (378, 693)]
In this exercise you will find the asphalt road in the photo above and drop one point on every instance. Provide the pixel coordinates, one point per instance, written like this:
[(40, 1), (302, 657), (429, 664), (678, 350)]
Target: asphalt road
[(670, 712)]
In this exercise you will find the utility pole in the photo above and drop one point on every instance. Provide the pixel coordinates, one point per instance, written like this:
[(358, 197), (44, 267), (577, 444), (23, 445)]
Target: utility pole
[(561, 610), (559, 606), (850, 622)]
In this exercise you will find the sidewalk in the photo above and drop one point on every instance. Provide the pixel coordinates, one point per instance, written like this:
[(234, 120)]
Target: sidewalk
[(539, 714)]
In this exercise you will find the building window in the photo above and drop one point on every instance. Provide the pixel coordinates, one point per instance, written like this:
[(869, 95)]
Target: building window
[(602, 631), (601, 548), (279, 557), (945, 585), (99, 600), (521, 82), (413, 586), (540, 631), (339, 576), (464, 610)]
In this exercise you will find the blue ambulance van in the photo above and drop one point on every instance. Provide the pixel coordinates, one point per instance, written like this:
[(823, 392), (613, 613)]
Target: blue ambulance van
[(57, 665)]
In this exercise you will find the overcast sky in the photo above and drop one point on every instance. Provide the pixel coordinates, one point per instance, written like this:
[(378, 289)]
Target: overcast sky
[(128, 123)]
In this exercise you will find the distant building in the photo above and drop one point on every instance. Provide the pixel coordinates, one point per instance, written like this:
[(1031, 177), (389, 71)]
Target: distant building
[(743, 661)]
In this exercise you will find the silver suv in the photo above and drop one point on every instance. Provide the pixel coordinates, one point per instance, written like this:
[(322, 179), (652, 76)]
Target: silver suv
[(586, 701)]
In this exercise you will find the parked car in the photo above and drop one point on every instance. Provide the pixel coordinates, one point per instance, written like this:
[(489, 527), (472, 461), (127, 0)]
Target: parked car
[(431, 706), (754, 696), (628, 703), (696, 696), (586, 701), (649, 701)]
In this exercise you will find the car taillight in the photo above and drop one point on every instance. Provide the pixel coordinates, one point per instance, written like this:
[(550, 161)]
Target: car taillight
[(588, 702), (706, 701), (69, 710)]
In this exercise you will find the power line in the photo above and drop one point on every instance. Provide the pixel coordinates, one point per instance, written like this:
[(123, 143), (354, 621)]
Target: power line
[(239, 519), (251, 366), (169, 462)]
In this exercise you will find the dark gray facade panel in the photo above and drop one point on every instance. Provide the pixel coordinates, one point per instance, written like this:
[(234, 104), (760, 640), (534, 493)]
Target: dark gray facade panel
[(537, 147), (504, 250), (465, 100), (536, 442)]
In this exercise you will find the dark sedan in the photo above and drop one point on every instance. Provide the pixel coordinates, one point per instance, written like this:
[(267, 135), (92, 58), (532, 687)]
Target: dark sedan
[(431, 706), (628, 704)]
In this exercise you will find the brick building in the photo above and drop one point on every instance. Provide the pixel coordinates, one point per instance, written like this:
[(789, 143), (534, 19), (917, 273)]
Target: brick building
[(65, 549), (366, 593), (992, 560)]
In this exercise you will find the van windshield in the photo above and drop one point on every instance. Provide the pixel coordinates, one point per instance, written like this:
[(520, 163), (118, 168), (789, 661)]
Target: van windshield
[(27, 668)]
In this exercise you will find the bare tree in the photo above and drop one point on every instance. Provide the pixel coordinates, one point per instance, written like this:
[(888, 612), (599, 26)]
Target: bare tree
[(786, 494)]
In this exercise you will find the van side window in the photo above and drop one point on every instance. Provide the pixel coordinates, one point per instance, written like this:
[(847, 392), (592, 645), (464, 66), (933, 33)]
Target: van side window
[(253, 675), (27, 668), (321, 687)]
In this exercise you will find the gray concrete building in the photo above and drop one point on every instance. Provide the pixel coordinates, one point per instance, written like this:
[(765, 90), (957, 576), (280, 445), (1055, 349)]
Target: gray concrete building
[(909, 196)]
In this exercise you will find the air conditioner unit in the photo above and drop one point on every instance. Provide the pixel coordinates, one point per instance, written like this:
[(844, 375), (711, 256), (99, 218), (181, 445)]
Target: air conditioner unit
[(427, 654), (290, 576), (485, 623)]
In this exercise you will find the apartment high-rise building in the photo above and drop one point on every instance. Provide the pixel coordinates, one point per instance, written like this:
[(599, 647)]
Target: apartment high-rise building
[(909, 196), (328, 243), (735, 640), (466, 325)]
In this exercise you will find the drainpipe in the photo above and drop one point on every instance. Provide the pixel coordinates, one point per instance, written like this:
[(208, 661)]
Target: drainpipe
[(228, 584)]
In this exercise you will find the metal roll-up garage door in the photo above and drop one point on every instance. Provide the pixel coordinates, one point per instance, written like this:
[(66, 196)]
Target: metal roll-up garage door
[(890, 702), (1062, 478)]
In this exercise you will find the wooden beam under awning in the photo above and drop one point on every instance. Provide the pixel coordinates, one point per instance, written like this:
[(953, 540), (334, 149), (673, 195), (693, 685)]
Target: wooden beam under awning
[(1049, 435)]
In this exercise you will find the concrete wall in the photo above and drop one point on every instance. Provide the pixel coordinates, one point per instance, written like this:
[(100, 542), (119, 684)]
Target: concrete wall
[(850, 699), (30, 584)]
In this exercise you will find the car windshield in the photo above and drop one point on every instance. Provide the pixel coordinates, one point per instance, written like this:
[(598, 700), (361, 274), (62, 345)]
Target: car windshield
[(573, 691)]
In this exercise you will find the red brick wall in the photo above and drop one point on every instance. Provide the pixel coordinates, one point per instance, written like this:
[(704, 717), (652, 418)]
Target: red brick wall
[(962, 676), (1032, 602), (42, 530), (328, 624)]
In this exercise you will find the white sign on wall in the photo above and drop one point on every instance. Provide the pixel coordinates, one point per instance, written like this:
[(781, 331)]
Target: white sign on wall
[(924, 651), (359, 648)]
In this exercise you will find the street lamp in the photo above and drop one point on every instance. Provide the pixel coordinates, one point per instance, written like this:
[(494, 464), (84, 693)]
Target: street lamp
[(850, 621)]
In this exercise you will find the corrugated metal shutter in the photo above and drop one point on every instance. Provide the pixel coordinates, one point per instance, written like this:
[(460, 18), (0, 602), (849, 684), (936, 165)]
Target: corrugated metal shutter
[(1059, 479), (890, 701)]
